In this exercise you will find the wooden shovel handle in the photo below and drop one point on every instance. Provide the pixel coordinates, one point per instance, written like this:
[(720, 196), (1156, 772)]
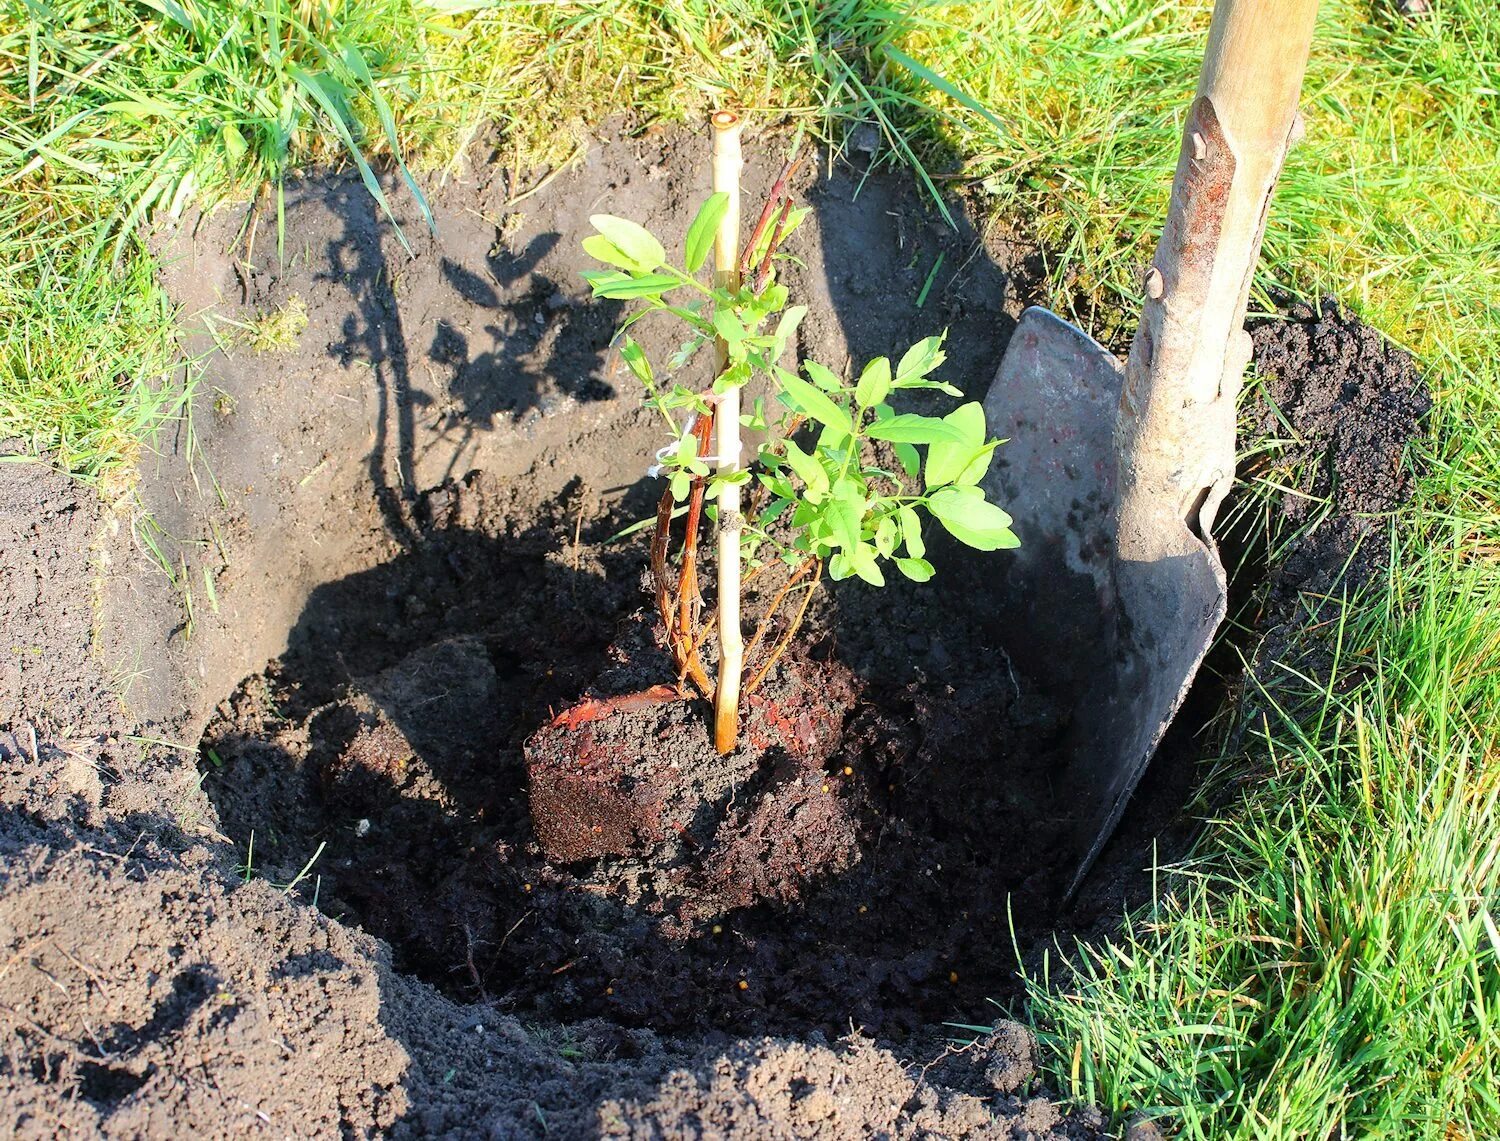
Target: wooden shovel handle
[(1252, 74), (1253, 65), (1177, 415)]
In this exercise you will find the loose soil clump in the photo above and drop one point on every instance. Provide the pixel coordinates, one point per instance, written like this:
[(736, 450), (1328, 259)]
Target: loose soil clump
[(361, 904)]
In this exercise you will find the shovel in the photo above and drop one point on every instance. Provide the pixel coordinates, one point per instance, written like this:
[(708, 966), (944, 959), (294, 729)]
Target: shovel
[(1116, 471)]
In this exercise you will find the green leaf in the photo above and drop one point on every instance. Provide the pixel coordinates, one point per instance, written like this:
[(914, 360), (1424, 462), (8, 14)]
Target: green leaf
[(844, 513), (910, 428), (692, 313), (806, 399), (685, 352), (635, 357), (600, 248), (918, 570), (755, 419), (911, 532), (865, 565), (887, 535), (785, 328), (976, 467), (808, 470), (924, 356), (620, 286), (938, 385), (970, 519), (874, 383), (682, 482), (736, 375), (911, 459), (632, 240), (733, 478), (823, 377), (947, 461), (683, 397), (728, 326), (772, 511), (700, 235)]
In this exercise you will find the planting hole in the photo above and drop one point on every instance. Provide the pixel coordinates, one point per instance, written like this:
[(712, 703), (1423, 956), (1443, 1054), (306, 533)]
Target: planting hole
[(891, 832)]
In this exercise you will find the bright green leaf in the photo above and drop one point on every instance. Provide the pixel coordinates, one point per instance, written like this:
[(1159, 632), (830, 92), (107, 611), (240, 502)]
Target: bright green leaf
[(919, 360), (874, 383), (918, 570), (970, 519), (620, 286), (844, 514), (736, 375), (823, 377), (728, 326), (635, 357), (631, 239), (947, 461), (910, 428), (600, 248), (808, 470), (976, 468), (804, 398), (785, 328), (911, 532), (911, 459), (865, 565), (700, 235)]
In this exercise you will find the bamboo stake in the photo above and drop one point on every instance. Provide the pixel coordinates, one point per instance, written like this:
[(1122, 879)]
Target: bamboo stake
[(726, 179)]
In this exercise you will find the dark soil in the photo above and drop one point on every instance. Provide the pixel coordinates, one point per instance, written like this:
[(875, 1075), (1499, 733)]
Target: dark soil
[(852, 860), (337, 915), (1347, 402)]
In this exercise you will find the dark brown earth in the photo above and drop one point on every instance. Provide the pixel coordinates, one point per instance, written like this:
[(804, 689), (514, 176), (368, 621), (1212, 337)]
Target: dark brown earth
[(306, 897), (1344, 402)]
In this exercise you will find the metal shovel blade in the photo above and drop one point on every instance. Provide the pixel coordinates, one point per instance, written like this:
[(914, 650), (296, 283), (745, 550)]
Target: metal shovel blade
[(1120, 641)]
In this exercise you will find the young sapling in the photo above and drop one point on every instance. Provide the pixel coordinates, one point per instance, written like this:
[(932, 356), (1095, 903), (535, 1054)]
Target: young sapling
[(815, 492)]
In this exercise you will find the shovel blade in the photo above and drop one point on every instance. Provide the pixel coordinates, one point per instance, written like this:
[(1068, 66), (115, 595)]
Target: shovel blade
[(1122, 640)]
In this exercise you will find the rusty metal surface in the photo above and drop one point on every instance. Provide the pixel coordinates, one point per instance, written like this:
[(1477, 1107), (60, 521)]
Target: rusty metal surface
[(1119, 641)]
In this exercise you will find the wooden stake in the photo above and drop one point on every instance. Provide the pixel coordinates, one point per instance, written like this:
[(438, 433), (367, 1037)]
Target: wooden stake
[(726, 179)]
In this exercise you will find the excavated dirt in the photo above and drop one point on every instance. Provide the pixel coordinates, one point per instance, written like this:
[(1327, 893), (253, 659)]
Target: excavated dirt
[(1345, 402), (308, 897)]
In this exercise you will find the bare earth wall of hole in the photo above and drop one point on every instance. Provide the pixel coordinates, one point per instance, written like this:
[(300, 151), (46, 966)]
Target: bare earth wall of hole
[(405, 521), (875, 881)]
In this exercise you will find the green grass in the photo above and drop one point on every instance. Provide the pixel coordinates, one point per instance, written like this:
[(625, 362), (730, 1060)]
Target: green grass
[(1326, 962)]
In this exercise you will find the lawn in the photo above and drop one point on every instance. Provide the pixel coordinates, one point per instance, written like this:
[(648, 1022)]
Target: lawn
[(1327, 963)]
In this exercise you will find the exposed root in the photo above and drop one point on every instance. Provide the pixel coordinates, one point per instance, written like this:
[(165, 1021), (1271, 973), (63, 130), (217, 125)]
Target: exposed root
[(813, 565)]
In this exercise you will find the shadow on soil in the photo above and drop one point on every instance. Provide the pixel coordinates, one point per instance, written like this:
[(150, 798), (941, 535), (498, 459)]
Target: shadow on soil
[(390, 735), (531, 345), (388, 740)]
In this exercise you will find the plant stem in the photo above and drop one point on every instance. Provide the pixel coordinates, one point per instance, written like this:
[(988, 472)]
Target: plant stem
[(727, 164)]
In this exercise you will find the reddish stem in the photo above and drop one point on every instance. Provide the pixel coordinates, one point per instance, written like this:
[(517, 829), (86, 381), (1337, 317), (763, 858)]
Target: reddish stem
[(778, 190)]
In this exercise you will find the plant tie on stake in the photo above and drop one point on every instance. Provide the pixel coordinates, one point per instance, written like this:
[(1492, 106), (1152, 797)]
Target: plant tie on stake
[(839, 479)]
